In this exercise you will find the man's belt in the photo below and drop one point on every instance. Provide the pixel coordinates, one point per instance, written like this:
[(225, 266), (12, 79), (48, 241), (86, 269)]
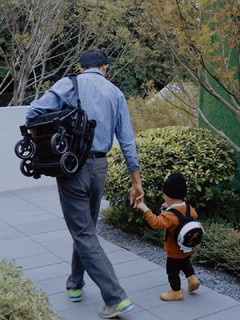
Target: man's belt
[(95, 155)]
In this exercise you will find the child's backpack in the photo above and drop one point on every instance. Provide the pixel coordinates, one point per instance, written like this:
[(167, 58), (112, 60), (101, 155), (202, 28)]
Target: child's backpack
[(60, 142), (189, 233)]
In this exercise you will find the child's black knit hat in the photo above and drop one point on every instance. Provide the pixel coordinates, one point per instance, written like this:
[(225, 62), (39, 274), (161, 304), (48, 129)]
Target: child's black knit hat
[(175, 186)]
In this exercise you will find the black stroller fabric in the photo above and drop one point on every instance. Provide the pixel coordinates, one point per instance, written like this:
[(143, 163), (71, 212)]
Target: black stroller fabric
[(57, 143)]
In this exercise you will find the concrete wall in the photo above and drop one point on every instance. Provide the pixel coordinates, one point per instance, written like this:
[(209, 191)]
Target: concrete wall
[(11, 177)]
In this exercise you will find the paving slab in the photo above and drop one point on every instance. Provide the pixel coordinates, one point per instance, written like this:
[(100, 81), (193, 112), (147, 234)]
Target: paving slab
[(34, 234)]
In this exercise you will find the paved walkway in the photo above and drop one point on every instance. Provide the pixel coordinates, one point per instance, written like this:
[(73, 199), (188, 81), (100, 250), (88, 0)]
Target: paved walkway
[(33, 232)]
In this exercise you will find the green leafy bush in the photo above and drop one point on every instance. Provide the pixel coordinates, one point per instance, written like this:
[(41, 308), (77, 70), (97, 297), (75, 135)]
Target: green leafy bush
[(220, 248), (206, 161), (226, 208), (18, 298)]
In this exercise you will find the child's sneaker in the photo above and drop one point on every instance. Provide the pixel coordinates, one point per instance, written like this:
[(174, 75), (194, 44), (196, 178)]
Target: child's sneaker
[(75, 295), (172, 295), (193, 283), (116, 310)]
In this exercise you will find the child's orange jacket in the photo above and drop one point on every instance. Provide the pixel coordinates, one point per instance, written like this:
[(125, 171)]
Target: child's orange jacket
[(169, 221)]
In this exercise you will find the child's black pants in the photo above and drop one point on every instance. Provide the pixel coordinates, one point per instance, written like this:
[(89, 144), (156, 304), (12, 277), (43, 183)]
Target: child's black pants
[(174, 266)]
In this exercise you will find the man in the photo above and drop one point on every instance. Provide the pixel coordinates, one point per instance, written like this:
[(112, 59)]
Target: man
[(80, 196)]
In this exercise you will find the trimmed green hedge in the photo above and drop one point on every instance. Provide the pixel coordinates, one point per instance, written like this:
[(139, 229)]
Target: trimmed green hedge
[(206, 161), (220, 248), (19, 299)]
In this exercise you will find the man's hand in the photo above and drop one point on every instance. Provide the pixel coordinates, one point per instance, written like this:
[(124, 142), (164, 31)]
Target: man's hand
[(136, 192)]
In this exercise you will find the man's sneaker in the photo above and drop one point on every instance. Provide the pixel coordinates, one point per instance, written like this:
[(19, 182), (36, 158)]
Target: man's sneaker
[(75, 295), (116, 310)]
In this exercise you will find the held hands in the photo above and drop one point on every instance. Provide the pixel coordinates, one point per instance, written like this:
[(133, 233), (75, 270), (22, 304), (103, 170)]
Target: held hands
[(140, 206), (143, 208), (136, 194)]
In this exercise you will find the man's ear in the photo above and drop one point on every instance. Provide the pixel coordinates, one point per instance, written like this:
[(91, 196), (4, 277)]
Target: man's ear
[(103, 68)]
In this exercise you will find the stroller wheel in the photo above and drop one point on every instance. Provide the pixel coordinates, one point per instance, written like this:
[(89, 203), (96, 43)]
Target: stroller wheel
[(26, 167), (22, 151), (58, 145), (69, 163)]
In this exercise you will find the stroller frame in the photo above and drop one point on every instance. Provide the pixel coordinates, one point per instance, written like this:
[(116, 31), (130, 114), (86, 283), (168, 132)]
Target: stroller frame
[(57, 143)]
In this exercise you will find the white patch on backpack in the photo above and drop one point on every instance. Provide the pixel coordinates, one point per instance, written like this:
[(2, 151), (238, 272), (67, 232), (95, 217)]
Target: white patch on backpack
[(189, 233)]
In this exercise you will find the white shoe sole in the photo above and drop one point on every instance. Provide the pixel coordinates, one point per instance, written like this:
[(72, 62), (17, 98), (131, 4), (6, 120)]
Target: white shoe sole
[(117, 313)]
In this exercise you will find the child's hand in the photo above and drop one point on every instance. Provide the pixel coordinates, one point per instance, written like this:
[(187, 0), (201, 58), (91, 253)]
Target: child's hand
[(141, 206), (138, 200)]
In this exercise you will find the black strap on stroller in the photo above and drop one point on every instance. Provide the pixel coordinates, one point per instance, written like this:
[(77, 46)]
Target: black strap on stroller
[(57, 143)]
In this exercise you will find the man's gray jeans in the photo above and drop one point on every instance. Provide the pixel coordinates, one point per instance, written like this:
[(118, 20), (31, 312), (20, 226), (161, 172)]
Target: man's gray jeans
[(80, 198)]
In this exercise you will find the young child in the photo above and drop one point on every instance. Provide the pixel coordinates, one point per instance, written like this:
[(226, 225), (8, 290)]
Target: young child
[(175, 190)]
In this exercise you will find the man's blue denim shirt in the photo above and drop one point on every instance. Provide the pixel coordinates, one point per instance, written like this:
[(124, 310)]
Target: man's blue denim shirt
[(102, 101)]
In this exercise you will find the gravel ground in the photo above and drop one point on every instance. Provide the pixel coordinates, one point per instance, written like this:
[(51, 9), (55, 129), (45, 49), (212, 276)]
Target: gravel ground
[(215, 280)]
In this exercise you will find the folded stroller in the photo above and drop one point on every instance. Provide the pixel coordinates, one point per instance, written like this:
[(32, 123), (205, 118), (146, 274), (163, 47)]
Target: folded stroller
[(57, 143)]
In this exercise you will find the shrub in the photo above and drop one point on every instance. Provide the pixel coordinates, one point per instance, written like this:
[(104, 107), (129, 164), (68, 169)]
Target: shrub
[(18, 298), (220, 248), (226, 208), (206, 161)]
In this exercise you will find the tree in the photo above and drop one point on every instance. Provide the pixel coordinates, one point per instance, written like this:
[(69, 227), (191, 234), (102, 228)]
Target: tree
[(203, 38), (31, 29), (43, 39)]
